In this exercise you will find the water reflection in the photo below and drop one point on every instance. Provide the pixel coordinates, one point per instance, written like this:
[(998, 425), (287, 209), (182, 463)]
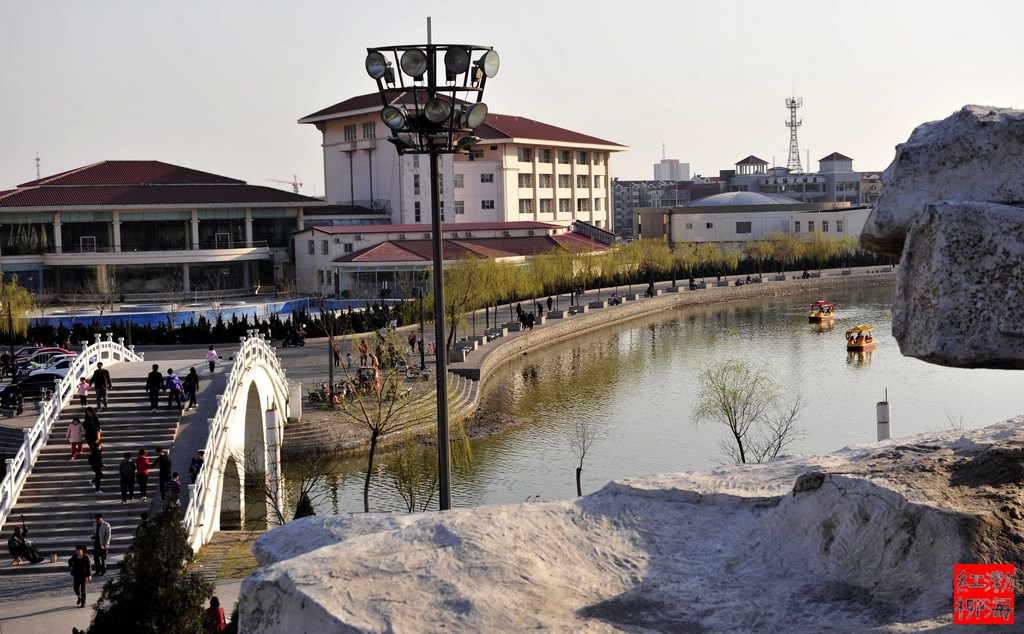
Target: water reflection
[(636, 384)]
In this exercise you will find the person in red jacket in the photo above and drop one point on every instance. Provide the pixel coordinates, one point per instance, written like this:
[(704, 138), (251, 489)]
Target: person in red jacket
[(215, 621), (142, 473)]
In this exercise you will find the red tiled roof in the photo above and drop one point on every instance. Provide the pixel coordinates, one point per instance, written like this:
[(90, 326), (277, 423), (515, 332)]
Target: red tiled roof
[(135, 183), (422, 250), (425, 227), (496, 126), (836, 156)]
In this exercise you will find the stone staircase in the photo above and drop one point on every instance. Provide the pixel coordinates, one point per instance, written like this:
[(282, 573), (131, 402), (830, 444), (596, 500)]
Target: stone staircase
[(58, 503)]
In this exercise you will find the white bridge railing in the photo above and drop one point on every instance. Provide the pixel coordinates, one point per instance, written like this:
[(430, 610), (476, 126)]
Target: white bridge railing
[(106, 351), (204, 498)]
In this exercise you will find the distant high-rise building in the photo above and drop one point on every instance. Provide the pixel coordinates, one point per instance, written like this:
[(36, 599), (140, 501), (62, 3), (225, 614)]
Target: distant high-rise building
[(671, 170)]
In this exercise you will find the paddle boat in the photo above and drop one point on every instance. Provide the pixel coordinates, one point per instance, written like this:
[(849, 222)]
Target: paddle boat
[(821, 311), (859, 339)]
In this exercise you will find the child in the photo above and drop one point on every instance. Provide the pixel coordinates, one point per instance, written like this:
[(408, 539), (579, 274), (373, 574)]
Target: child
[(172, 490), (83, 391)]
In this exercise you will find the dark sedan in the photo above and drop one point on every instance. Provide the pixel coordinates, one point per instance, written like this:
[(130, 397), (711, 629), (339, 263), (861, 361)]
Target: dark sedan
[(32, 385)]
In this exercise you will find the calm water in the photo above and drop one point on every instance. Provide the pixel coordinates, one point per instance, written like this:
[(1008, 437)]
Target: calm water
[(636, 385)]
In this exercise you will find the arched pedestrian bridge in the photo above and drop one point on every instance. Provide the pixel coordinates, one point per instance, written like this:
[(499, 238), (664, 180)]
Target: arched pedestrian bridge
[(238, 423)]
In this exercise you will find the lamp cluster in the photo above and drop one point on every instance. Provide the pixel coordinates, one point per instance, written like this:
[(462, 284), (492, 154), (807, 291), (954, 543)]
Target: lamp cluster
[(426, 115)]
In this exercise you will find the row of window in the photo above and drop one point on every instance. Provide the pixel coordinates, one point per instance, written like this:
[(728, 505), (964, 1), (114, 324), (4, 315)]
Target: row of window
[(525, 181), (525, 155), (325, 247), (369, 131), (745, 226)]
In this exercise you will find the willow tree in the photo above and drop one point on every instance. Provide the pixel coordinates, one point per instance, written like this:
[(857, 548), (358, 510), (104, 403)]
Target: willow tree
[(707, 255), (729, 258), (464, 280), (655, 257), (543, 270), (684, 258), (413, 466), (17, 304), (758, 250), (788, 249)]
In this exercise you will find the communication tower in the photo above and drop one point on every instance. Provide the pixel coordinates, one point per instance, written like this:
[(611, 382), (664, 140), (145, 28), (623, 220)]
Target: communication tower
[(794, 150)]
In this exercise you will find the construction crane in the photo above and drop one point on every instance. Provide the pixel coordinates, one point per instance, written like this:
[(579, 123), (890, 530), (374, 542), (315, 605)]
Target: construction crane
[(294, 182)]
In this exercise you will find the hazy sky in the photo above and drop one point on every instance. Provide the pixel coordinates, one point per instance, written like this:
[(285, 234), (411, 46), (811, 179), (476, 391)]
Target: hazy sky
[(218, 85)]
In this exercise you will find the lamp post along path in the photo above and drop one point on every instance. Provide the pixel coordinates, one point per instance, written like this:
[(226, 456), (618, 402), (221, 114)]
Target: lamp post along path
[(433, 117)]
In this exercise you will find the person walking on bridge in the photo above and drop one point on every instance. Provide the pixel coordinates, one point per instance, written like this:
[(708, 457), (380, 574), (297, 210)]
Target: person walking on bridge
[(154, 385), (101, 381)]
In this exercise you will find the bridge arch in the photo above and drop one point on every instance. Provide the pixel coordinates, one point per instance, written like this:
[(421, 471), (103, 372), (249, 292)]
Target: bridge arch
[(243, 452)]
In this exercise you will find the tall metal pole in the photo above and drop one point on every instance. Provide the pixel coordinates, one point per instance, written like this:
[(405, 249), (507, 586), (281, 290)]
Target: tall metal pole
[(440, 347), (423, 353)]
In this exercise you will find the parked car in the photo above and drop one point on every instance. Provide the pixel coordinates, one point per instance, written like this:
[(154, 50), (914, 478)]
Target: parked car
[(35, 361), (32, 385)]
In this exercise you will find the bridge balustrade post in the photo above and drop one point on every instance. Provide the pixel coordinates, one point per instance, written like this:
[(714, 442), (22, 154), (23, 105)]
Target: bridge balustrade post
[(110, 337)]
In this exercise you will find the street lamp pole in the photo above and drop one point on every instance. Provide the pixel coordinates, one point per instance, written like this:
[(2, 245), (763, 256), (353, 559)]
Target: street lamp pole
[(423, 354), (426, 116)]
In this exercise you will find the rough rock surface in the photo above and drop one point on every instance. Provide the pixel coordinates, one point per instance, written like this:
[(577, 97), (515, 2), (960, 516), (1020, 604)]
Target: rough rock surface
[(865, 538), (974, 154), (960, 290)]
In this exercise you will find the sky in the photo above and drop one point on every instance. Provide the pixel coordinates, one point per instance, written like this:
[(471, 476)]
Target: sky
[(219, 85)]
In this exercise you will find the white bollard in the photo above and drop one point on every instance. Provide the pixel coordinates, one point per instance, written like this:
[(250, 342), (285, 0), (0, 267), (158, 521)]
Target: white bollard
[(883, 413)]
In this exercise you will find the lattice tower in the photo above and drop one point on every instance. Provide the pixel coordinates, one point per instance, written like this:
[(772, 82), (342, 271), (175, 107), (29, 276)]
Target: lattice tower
[(794, 150)]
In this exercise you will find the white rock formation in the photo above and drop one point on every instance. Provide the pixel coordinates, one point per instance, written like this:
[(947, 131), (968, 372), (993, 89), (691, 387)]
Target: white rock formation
[(863, 538), (952, 210)]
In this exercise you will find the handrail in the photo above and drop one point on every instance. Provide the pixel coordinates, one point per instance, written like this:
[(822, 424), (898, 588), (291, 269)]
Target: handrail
[(254, 349), (105, 351)]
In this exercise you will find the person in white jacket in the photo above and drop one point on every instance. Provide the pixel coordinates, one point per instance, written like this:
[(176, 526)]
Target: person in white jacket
[(211, 358)]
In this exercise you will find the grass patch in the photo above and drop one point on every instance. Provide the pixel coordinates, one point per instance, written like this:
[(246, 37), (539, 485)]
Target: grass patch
[(239, 561)]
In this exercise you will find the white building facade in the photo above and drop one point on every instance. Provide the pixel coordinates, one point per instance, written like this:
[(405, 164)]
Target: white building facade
[(522, 170)]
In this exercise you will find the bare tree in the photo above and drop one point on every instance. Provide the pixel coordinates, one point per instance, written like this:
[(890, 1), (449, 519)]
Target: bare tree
[(581, 438), (749, 403), (413, 467), (94, 295), (175, 297), (308, 470)]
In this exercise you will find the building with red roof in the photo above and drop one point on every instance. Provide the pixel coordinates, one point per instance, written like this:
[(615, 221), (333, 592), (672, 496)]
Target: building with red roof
[(521, 171), (145, 229)]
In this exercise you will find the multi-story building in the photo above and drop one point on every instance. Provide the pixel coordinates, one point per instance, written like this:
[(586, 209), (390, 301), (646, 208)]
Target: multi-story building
[(521, 171), (671, 170), (144, 228), (835, 180)]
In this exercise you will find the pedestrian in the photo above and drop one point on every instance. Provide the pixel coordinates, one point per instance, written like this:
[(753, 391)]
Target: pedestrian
[(196, 465), (173, 385), (92, 428), (412, 343), (519, 311), (19, 401), (163, 463), (348, 360), (83, 391), (96, 462), (172, 489), (154, 385), (540, 309), (215, 621), (211, 358), (100, 545), (336, 354), (81, 572), (142, 473), (75, 435), (364, 352), (550, 303), (126, 469), (101, 381), (530, 319), (191, 386)]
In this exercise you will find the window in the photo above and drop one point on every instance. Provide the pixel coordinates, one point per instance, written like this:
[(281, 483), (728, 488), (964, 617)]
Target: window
[(796, 226), (581, 182), (709, 225), (839, 226), (416, 184), (810, 226), (545, 206), (442, 211), (486, 204), (598, 159), (350, 132), (325, 247), (545, 181), (582, 158), (487, 178), (312, 247), (460, 207), (525, 206), (525, 155), (583, 204), (689, 225), (458, 181), (563, 157), (597, 182), (369, 130), (476, 154), (743, 227), (563, 205), (564, 182), (824, 226), (543, 156), (526, 180), (415, 160), (597, 204), (416, 211), (348, 247)]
